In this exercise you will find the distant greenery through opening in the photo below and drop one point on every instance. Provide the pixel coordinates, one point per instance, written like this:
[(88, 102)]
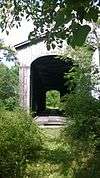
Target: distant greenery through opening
[(53, 99)]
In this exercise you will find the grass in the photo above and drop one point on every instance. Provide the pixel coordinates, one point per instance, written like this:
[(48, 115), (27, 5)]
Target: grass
[(54, 158), (59, 160)]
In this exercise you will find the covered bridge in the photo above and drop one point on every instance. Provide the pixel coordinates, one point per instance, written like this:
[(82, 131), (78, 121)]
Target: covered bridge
[(40, 71)]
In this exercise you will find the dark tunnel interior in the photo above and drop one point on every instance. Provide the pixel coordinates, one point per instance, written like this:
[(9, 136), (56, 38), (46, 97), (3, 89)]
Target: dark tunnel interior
[(47, 73)]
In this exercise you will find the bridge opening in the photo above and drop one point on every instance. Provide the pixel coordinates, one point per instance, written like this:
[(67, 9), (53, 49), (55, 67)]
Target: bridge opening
[(53, 102), (47, 74), (53, 99)]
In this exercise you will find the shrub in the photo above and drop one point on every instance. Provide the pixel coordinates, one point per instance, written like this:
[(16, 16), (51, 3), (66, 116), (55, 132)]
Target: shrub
[(82, 111), (20, 142)]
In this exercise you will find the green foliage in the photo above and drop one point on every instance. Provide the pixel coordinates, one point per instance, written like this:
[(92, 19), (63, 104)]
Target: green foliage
[(55, 20), (82, 113), (53, 99), (20, 143), (60, 159), (8, 87), (79, 77), (55, 160), (79, 105), (6, 52), (79, 35)]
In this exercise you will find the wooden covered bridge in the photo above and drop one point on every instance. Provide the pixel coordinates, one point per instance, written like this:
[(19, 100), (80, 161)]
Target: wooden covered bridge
[(40, 71)]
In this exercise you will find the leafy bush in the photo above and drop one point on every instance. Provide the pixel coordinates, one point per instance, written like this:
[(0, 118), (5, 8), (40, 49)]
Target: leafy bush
[(82, 113), (20, 142)]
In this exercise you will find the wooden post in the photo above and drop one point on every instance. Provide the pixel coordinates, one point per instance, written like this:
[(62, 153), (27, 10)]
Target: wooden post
[(24, 86)]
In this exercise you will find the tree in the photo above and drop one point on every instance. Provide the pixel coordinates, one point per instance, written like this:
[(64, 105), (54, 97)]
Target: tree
[(8, 87), (82, 113), (6, 52), (55, 20)]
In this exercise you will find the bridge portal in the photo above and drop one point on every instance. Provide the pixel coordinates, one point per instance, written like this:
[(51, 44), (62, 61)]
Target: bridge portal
[(47, 73), (40, 71)]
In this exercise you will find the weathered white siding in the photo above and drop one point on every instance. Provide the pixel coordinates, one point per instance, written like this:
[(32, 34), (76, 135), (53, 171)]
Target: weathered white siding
[(25, 57)]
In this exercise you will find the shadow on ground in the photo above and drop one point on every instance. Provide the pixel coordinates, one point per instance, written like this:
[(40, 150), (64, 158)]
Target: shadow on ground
[(57, 161)]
